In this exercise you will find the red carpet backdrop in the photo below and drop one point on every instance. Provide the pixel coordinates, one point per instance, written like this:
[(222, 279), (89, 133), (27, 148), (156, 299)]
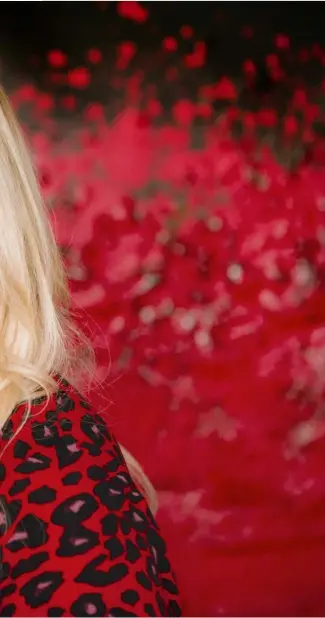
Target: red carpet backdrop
[(188, 196)]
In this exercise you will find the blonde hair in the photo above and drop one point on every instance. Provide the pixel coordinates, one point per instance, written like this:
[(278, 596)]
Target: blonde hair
[(38, 338)]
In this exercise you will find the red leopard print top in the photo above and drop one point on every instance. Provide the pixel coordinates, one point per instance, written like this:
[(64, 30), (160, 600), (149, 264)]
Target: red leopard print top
[(78, 538)]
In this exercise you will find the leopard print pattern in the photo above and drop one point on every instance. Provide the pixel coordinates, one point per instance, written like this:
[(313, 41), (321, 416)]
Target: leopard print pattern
[(76, 536)]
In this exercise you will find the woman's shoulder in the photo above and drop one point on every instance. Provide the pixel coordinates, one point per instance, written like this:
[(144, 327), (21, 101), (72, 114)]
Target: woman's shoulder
[(56, 434), (67, 496)]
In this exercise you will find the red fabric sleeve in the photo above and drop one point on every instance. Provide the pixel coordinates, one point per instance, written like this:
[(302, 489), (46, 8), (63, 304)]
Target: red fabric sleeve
[(79, 538)]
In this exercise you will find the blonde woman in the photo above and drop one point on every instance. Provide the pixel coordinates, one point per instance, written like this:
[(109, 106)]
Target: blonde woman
[(77, 536)]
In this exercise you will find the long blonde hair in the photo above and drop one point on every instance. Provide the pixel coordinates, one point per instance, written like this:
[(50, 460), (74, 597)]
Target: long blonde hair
[(38, 338)]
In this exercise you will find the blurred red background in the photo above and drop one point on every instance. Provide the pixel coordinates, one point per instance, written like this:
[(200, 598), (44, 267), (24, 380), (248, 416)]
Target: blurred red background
[(193, 229)]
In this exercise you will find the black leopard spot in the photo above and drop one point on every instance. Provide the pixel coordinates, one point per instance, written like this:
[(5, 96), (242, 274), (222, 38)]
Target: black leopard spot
[(72, 478), (161, 604), (34, 463), (65, 424), (28, 565), (64, 403), (113, 465), (85, 404), (132, 553), (152, 571), (125, 526), (130, 597), (51, 416), (74, 510), (5, 569), (156, 541), (44, 434), (135, 497), (8, 610), (43, 495), (3, 527), (149, 609), (7, 431), (30, 532), (96, 473), (38, 401), (92, 576), (2, 472), (169, 585), (67, 451), (115, 548), (77, 540), (94, 428), (55, 612), (94, 450), (136, 519), (122, 480), (11, 510), (112, 498), (40, 589), (6, 591), (21, 449), (152, 520), (174, 608), (143, 580), (163, 563), (19, 486), (118, 453), (141, 541), (62, 381), (109, 524), (89, 604)]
